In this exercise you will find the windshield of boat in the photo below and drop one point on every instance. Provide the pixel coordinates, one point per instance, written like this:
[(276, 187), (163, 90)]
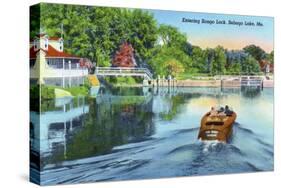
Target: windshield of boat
[(217, 123)]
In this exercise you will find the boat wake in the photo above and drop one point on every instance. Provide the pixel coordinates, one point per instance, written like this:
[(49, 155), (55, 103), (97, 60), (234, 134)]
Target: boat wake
[(177, 154), (210, 145)]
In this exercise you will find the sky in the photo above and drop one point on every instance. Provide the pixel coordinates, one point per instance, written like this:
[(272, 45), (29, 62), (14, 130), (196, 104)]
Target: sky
[(232, 37)]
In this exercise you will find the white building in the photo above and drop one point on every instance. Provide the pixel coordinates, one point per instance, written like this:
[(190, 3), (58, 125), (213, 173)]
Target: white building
[(50, 65)]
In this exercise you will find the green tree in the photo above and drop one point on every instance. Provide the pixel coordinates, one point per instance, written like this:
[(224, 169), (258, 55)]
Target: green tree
[(92, 32), (218, 62), (174, 67), (170, 36), (103, 60), (34, 22), (234, 68), (199, 59), (250, 66), (97, 32), (163, 55), (271, 57), (142, 32), (255, 51)]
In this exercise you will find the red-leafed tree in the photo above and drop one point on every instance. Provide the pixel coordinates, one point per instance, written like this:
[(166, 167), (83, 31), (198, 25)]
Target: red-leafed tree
[(124, 57)]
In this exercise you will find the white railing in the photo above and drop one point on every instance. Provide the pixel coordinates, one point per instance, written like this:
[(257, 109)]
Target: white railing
[(53, 73), (251, 80), (123, 71), (71, 72), (235, 77)]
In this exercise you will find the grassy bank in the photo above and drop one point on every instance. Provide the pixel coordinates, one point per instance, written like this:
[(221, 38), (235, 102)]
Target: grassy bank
[(78, 90), (195, 76), (49, 92), (123, 81)]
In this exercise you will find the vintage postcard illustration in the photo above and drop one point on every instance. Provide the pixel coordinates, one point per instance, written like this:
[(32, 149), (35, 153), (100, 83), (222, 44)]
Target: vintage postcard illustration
[(127, 94)]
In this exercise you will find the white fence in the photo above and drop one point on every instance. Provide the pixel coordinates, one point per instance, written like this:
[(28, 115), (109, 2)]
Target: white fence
[(251, 81), (123, 71), (55, 73)]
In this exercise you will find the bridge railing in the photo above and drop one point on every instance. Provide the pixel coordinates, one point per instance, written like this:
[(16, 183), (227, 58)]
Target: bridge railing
[(123, 70)]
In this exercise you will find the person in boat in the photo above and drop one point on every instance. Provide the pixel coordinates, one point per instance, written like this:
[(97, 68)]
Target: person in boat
[(227, 111), (221, 112), (213, 112)]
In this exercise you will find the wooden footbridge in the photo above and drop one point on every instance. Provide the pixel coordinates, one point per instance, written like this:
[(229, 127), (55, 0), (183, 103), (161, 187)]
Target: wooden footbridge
[(124, 71)]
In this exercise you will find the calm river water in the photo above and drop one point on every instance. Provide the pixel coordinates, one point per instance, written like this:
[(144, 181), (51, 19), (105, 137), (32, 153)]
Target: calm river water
[(139, 133)]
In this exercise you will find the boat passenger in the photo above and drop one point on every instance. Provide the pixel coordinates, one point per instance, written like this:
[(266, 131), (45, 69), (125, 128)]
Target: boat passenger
[(221, 112), (227, 111), (213, 112)]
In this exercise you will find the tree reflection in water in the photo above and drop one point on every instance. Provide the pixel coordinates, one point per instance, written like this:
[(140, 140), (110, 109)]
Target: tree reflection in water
[(117, 117), (107, 124), (251, 92), (77, 135)]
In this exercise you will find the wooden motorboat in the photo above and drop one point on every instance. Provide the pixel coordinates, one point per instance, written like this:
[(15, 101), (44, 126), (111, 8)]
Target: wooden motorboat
[(217, 127)]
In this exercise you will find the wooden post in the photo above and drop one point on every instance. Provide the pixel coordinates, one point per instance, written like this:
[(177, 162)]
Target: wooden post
[(221, 82), (63, 66), (64, 140), (63, 81), (71, 125), (69, 79), (157, 81)]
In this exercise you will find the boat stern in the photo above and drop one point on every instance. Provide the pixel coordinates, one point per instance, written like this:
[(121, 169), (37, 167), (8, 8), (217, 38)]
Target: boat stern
[(212, 134)]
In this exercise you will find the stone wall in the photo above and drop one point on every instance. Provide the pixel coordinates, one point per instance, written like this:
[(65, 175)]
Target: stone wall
[(204, 83)]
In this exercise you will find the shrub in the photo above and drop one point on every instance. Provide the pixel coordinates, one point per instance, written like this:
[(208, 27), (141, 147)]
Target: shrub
[(47, 92)]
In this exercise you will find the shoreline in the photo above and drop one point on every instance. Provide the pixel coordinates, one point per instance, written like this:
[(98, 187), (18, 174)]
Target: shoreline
[(76, 91), (196, 83)]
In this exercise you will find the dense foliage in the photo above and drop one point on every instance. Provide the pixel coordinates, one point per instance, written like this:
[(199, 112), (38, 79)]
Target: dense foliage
[(97, 33)]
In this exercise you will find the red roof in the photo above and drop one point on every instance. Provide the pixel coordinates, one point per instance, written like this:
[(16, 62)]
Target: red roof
[(51, 52), (41, 35), (54, 38)]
